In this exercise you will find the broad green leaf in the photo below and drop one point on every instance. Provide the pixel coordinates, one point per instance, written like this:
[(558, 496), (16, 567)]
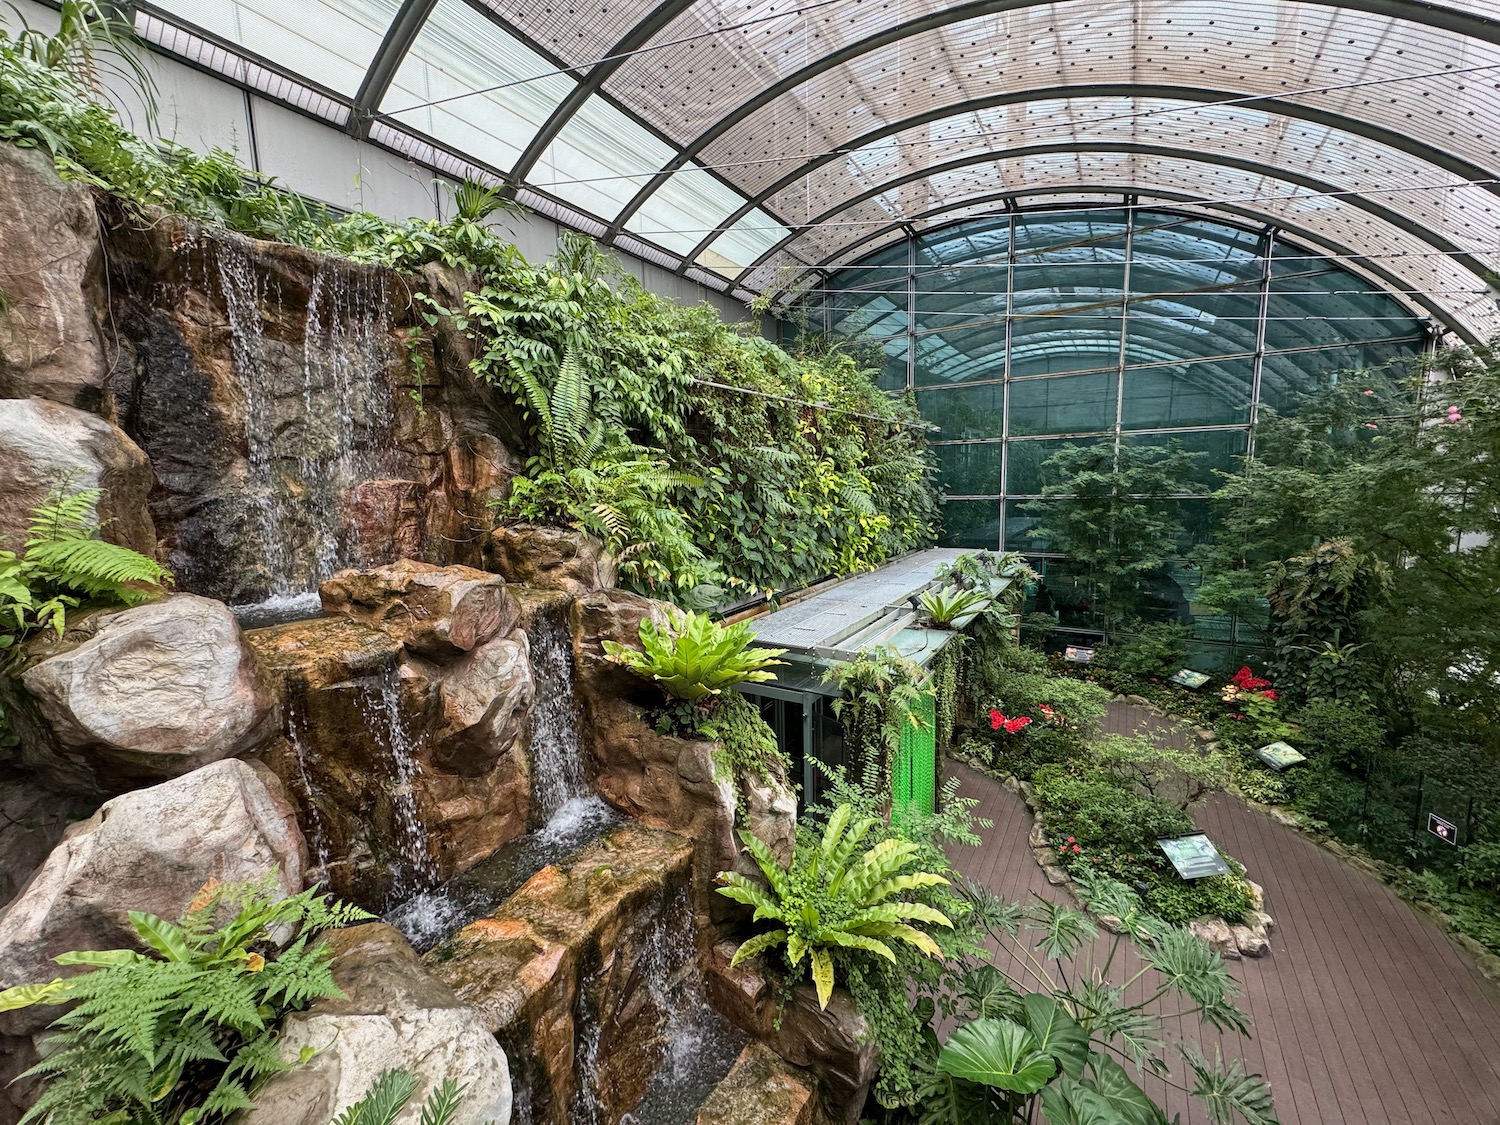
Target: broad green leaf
[(998, 1053), (167, 939), (1116, 1087), (822, 972), (1070, 1103), (1057, 1033), (99, 958), (27, 995)]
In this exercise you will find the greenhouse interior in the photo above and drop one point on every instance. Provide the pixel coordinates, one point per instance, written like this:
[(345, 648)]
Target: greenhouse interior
[(820, 562)]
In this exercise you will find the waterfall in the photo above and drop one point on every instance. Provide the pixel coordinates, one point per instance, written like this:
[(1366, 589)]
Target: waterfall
[(560, 786), (414, 869), (296, 726), (318, 422)]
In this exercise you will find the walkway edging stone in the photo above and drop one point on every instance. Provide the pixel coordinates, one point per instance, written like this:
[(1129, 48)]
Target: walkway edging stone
[(1231, 941)]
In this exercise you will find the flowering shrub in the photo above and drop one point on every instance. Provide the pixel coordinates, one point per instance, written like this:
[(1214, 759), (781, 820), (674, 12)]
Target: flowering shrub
[(1011, 726)]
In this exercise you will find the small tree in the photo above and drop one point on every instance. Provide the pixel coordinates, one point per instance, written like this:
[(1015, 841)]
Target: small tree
[(1108, 509), (1182, 775)]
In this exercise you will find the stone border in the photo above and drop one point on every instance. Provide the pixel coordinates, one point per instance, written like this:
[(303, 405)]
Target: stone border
[(1486, 961), (1231, 941)]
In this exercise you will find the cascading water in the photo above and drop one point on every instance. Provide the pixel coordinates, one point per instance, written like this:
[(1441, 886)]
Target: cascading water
[(558, 774), (572, 815), (317, 833), (415, 870), (316, 424)]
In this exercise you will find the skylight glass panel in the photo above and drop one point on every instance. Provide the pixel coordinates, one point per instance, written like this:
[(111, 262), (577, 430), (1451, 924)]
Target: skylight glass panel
[(684, 211), (328, 42), (471, 85), (743, 243), (600, 159)]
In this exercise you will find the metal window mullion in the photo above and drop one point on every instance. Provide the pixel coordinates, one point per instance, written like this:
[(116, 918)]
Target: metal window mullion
[(1010, 323), (1124, 321), (911, 308), (1260, 339)]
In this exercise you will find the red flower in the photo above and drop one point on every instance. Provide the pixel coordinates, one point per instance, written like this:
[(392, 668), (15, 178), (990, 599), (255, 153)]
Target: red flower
[(1076, 849), (1016, 724), (1269, 694), (1072, 840), (996, 719), (1247, 680)]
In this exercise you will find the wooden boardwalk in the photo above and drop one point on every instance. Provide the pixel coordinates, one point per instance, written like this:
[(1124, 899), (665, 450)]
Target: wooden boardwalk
[(1362, 1013)]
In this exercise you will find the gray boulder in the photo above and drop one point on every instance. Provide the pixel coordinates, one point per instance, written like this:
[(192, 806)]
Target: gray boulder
[(142, 694), (49, 248), (44, 446), (393, 1015), (149, 850)]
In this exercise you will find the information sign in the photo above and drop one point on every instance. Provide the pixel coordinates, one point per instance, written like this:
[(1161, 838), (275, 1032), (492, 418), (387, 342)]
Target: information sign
[(1194, 856), (1279, 755), (1078, 655), (1444, 830), (1189, 679)]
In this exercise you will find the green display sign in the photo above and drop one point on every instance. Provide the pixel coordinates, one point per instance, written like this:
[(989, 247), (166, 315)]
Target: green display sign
[(1189, 679), (1279, 755), (1194, 856)]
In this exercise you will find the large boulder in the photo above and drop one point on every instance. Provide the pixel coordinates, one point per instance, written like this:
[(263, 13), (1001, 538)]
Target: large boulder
[(133, 696), (560, 971), (45, 446), (835, 1044), (762, 1088), (612, 615), (553, 558), (393, 1015), (148, 850), (437, 612), (33, 819), (404, 770), (49, 252)]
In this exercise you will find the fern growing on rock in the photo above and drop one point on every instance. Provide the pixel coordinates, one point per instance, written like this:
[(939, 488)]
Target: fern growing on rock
[(831, 900), (65, 565), (184, 1033)]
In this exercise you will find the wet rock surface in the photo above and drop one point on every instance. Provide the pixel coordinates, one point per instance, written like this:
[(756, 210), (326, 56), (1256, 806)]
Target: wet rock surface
[(762, 1089), (575, 939), (552, 558), (436, 612)]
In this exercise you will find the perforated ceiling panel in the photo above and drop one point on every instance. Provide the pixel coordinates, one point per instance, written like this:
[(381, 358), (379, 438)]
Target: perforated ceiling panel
[(706, 133)]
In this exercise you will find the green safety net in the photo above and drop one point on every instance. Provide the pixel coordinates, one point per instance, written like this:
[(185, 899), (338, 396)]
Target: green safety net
[(914, 772)]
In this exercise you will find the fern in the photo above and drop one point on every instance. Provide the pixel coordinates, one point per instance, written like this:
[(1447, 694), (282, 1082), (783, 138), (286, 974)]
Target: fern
[(65, 565), (186, 1033)]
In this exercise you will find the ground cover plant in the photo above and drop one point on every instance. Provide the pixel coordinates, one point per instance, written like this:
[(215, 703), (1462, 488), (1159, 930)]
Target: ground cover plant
[(185, 1032)]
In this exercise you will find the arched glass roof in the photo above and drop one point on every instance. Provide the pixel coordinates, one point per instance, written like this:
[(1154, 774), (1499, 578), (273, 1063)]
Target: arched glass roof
[(743, 144)]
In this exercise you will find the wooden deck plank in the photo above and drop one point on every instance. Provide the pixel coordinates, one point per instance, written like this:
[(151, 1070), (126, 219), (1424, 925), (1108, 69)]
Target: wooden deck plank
[(1362, 1014)]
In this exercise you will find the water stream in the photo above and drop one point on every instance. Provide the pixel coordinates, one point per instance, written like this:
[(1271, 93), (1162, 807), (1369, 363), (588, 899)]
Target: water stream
[(414, 869), (316, 424), (559, 773)]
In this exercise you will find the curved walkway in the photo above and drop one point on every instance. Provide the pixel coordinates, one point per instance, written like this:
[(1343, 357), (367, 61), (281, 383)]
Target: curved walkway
[(1362, 1013)]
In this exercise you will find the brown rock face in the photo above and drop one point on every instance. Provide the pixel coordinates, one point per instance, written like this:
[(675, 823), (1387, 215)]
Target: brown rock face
[(834, 1044), (404, 771), (578, 937), (437, 612), (133, 696), (45, 447), (49, 253), (393, 1015), (552, 558), (147, 850), (295, 423), (761, 1089)]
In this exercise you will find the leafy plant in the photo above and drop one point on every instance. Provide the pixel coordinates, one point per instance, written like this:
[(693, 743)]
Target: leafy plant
[(944, 607), (186, 1032), (92, 44), (1183, 775), (65, 565), (1047, 1040), (694, 659), (832, 899), (881, 695), (389, 1094)]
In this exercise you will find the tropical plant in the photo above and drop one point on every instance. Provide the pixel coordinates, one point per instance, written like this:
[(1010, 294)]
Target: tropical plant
[(882, 695), (65, 565), (1181, 775), (694, 659), (185, 1033), (835, 898), (1056, 1054), (389, 1094), (91, 46), (946, 606)]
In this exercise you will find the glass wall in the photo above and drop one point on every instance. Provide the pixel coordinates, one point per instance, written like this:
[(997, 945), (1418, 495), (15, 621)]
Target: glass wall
[(1024, 332)]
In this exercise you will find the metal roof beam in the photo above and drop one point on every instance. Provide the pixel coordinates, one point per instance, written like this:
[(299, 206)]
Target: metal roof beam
[(1416, 149), (399, 37), (1416, 11), (1336, 251)]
